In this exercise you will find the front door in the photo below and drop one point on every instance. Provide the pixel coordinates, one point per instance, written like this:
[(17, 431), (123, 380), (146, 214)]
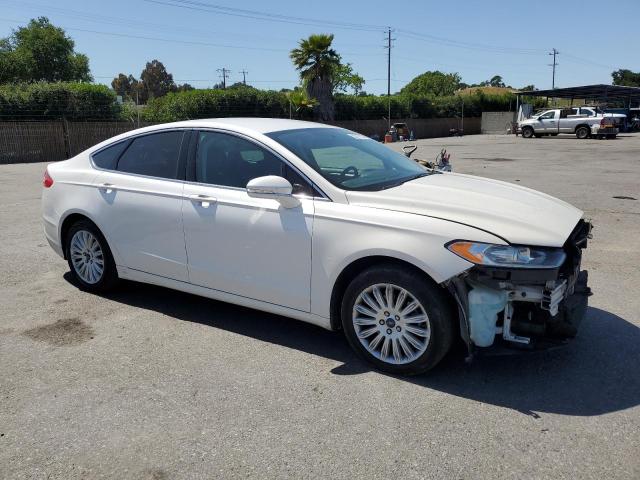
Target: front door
[(548, 122), (141, 204), (251, 247)]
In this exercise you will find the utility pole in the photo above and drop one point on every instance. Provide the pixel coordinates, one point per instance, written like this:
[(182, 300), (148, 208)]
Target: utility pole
[(224, 74), (244, 76), (388, 47), (554, 64)]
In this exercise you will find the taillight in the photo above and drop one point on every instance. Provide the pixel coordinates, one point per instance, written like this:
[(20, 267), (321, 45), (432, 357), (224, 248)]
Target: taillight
[(47, 181)]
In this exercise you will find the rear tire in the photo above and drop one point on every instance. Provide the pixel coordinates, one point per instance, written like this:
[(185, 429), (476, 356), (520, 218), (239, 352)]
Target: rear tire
[(611, 136), (582, 132), (400, 322), (527, 132), (89, 258)]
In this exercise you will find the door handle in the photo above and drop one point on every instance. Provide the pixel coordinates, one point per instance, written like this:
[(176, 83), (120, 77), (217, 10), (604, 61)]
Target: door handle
[(107, 187), (204, 200)]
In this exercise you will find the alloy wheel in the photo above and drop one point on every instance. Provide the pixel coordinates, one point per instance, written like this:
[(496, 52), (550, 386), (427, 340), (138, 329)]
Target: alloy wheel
[(391, 324), (87, 257)]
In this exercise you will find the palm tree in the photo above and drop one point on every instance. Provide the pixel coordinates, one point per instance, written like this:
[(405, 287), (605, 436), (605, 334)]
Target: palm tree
[(316, 61)]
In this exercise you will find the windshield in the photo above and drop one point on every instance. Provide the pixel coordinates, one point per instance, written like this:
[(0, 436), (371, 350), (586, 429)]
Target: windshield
[(349, 160)]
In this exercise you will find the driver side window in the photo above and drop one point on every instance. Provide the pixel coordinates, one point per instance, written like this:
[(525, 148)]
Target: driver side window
[(230, 161)]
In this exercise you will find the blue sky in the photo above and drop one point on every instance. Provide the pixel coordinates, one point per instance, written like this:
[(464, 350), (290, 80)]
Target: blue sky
[(475, 39)]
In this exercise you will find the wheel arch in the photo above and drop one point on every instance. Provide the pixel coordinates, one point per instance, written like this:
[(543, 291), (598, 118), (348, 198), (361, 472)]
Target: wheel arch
[(69, 220), (582, 125), (355, 267)]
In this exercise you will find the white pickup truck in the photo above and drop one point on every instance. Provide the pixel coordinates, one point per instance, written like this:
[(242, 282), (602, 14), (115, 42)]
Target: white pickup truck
[(584, 122)]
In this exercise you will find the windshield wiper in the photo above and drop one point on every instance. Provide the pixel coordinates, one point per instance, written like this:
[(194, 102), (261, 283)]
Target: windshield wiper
[(405, 180)]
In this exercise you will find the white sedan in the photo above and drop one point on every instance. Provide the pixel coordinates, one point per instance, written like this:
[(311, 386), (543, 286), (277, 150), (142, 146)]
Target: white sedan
[(326, 226)]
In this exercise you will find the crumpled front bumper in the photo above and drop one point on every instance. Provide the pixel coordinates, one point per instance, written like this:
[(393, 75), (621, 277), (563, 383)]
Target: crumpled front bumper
[(524, 309)]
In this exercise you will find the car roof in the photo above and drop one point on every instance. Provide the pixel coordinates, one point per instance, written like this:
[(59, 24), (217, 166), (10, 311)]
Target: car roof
[(252, 125), (258, 125)]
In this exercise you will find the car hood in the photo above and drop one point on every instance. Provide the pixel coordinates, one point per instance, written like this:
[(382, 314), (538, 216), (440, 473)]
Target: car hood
[(517, 214)]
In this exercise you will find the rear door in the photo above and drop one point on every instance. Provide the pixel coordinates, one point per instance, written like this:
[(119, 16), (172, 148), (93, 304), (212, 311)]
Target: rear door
[(141, 202)]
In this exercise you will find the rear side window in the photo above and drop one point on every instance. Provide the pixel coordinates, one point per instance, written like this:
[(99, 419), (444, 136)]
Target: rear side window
[(155, 155), (108, 157)]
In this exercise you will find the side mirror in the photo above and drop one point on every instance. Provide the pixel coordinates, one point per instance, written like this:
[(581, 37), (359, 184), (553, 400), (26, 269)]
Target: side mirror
[(273, 187)]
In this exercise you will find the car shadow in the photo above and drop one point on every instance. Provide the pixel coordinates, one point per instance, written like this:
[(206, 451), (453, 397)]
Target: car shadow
[(596, 374)]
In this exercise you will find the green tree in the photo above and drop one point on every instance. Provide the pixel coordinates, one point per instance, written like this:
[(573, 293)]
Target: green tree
[(129, 88), (185, 87), (123, 85), (345, 78), (496, 81), (316, 61), (434, 84), (41, 52), (156, 81), (626, 77), (239, 85)]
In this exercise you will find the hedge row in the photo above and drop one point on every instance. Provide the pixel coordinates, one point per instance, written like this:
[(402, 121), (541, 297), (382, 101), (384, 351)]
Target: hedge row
[(349, 107), (41, 100), (236, 102), (83, 101), (260, 103)]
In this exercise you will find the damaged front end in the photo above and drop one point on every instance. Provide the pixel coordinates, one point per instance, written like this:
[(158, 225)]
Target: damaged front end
[(535, 306)]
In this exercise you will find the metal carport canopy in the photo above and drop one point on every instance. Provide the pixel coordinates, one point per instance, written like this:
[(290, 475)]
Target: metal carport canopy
[(600, 92)]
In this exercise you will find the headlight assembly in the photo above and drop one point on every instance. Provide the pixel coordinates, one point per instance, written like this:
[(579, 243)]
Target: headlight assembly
[(507, 255)]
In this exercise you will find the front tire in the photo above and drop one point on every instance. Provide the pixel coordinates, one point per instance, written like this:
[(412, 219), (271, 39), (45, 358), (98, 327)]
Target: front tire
[(398, 321), (89, 258), (527, 132)]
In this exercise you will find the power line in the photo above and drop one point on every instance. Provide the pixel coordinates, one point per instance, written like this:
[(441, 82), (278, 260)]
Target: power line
[(137, 23), (267, 16), (160, 39), (576, 59), (468, 45), (244, 76), (258, 15), (120, 21)]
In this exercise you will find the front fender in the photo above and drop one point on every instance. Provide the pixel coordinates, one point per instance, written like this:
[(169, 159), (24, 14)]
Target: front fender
[(343, 234)]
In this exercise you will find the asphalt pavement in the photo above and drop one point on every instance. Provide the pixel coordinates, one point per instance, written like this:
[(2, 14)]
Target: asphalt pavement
[(148, 383)]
